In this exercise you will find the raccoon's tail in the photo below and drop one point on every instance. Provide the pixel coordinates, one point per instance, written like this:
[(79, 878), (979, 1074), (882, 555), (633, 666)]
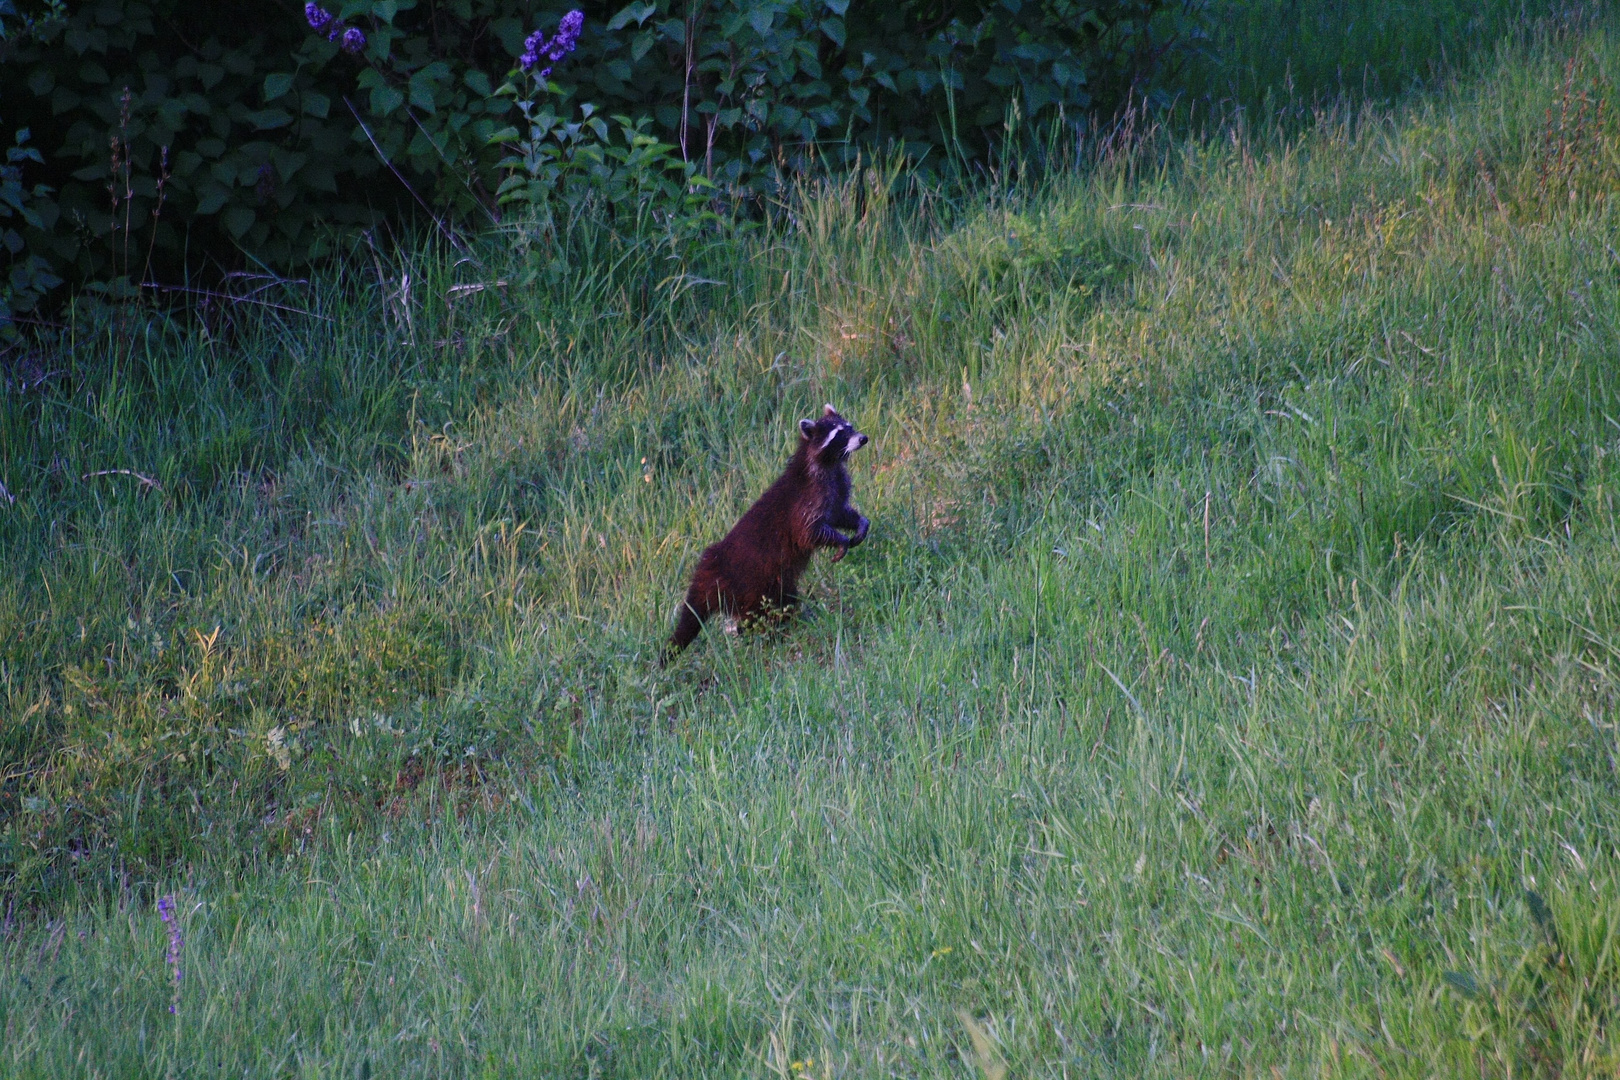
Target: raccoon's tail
[(687, 627)]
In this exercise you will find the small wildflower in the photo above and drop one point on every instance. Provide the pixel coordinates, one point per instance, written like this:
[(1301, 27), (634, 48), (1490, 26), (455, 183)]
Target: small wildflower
[(350, 39), (531, 49), (171, 920), (567, 34), (535, 46)]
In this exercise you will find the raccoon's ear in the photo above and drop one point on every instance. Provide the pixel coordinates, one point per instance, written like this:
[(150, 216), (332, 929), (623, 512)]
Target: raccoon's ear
[(828, 410), (806, 427)]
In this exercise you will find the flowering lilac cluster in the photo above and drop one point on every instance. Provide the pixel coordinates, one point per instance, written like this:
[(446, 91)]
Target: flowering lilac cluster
[(536, 47), (166, 909), (349, 37)]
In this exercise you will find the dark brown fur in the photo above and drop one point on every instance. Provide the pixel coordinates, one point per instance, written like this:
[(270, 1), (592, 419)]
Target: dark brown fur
[(756, 568)]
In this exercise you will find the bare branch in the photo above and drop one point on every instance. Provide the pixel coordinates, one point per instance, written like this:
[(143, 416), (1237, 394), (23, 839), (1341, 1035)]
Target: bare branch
[(147, 482), (210, 294)]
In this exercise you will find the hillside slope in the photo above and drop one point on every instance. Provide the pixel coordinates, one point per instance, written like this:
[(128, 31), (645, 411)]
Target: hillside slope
[(1228, 685)]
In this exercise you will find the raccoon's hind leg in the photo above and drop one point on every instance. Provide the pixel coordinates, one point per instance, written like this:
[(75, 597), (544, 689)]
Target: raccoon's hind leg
[(783, 596)]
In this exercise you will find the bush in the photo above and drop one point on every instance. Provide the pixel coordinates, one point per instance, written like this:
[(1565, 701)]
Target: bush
[(29, 277), (175, 132)]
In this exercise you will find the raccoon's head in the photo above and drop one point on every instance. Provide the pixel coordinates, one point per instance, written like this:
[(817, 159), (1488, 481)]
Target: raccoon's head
[(830, 439)]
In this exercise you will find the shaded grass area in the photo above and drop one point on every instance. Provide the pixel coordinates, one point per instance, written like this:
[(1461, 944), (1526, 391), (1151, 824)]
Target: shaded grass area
[(1228, 683), (1277, 54)]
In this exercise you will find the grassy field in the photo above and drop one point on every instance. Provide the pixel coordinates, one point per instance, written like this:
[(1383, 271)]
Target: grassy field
[(1228, 686)]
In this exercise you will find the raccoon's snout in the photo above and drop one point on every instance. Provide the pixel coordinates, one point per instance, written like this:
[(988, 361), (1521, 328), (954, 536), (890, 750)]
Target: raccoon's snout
[(857, 442)]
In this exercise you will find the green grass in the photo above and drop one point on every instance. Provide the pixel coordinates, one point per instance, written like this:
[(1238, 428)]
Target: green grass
[(1228, 686)]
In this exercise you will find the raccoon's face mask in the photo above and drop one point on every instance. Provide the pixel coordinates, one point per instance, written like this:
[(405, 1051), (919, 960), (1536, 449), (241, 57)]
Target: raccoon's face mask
[(831, 438)]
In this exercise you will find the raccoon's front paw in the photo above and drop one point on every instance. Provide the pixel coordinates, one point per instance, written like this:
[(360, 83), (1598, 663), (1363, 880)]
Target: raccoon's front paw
[(860, 533), (841, 549)]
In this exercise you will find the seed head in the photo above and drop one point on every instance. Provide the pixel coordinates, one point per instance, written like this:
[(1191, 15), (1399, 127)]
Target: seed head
[(176, 943)]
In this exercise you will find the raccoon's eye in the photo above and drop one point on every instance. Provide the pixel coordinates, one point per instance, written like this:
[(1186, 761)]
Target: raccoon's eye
[(837, 434)]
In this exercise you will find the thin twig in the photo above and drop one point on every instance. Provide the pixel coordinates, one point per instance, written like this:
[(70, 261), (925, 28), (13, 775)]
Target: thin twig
[(25, 320), (25, 385), (212, 295), (1107, 720), (1135, 705), (458, 291), (157, 211), (149, 483), (493, 220), (1206, 529), (275, 279), (263, 281), (686, 80), (448, 235)]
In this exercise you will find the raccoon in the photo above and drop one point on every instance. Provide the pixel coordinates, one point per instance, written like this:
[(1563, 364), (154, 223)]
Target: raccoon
[(757, 566)]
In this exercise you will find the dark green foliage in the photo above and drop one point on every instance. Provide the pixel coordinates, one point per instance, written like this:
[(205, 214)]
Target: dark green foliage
[(161, 142), (22, 206), (175, 132)]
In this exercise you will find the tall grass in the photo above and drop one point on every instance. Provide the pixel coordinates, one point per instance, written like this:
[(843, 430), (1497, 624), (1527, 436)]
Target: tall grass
[(1227, 687)]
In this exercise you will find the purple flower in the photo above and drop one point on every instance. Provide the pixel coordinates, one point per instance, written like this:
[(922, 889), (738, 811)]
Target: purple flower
[(535, 45), (166, 909), (531, 49), (350, 38), (567, 35)]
